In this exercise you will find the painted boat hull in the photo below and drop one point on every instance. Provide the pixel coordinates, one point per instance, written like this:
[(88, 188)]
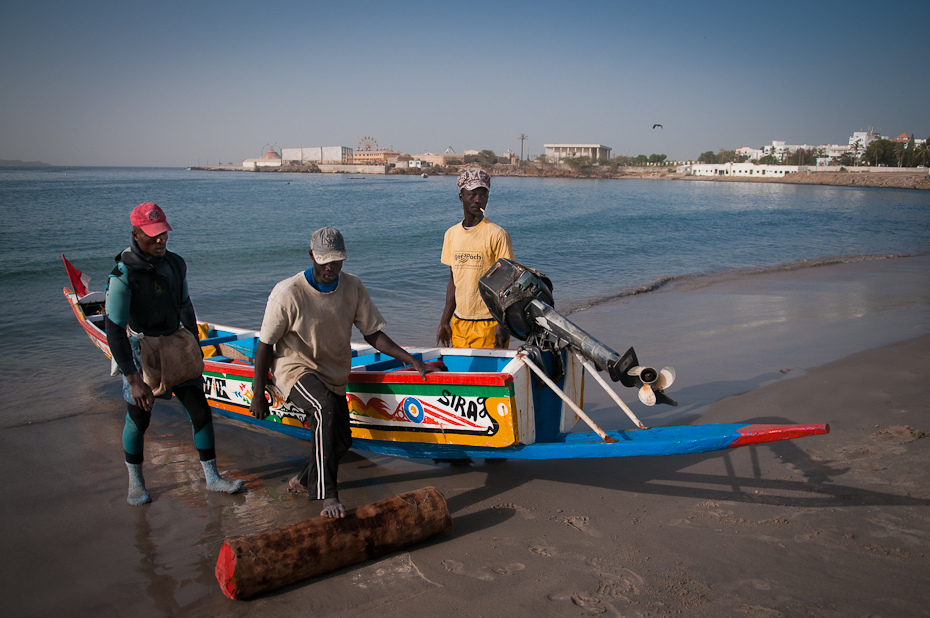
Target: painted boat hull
[(483, 398), (485, 404)]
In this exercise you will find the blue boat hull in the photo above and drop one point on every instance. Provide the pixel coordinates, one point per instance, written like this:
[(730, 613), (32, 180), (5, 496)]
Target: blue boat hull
[(657, 441)]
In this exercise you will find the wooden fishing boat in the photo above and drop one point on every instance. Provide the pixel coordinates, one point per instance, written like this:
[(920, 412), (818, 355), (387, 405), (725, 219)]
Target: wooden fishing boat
[(483, 404)]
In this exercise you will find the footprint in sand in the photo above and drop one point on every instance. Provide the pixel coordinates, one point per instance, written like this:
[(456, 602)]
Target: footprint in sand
[(509, 569), (901, 434), (594, 605), (541, 551), (484, 573), (581, 523), (524, 512), (622, 585)]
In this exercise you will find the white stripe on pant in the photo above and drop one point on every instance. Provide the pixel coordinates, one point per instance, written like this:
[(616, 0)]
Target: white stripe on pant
[(328, 415)]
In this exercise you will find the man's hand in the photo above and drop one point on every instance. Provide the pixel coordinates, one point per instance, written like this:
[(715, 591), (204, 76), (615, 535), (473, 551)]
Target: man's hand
[(501, 336), (422, 368), (259, 406), (444, 335), (262, 361), (141, 392)]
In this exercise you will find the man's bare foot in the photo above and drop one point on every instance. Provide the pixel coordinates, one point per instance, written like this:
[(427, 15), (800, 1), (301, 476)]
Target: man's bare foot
[(332, 508), (293, 485)]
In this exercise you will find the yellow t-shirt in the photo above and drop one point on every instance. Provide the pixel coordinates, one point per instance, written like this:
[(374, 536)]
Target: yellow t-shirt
[(471, 253), (311, 331)]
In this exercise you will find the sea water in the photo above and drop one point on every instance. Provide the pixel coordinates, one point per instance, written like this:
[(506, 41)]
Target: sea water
[(241, 233)]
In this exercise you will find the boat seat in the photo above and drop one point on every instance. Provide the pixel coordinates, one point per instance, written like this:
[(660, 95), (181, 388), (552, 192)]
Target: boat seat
[(217, 339), (92, 297), (97, 318)]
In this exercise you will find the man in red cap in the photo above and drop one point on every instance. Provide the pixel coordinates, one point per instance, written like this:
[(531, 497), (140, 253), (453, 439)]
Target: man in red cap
[(146, 298)]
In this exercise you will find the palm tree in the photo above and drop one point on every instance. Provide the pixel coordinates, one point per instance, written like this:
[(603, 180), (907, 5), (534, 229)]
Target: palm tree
[(522, 137), (856, 145), (922, 154)]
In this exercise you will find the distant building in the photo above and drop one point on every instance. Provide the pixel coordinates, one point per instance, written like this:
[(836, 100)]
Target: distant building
[(380, 156), (269, 159), (439, 159), (557, 152), (318, 154), (826, 155), (742, 169), (860, 140), (753, 154)]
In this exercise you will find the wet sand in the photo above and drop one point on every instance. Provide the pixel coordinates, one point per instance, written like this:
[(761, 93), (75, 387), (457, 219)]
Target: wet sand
[(831, 525)]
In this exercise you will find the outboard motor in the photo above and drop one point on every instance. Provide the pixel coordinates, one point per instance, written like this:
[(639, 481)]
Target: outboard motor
[(521, 299)]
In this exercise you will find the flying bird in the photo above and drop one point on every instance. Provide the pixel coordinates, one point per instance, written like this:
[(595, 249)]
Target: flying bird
[(657, 125)]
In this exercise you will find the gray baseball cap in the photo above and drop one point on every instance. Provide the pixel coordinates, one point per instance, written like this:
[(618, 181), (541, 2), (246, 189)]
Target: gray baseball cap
[(327, 245)]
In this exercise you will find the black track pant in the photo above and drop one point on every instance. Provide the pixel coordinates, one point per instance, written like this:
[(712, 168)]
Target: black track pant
[(328, 419)]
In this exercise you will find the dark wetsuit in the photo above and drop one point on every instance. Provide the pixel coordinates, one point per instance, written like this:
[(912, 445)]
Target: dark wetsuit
[(149, 295)]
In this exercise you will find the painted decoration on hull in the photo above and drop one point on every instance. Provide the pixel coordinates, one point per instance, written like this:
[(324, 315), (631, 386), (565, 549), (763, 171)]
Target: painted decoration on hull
[(234, 394), (443, 414)]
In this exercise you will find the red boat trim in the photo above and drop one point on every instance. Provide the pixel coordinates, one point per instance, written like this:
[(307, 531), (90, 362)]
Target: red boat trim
[(227, 368), (758, 434), (86, 324), (412, 377)]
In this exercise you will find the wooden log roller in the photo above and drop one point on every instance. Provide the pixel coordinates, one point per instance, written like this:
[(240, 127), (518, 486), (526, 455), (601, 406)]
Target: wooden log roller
[(249, 565)]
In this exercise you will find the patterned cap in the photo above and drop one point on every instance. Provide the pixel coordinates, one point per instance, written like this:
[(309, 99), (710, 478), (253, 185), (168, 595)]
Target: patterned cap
[(150, 218), (327, 245), (474, 178)]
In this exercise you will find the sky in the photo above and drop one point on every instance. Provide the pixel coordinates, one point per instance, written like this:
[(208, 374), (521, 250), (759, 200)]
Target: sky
[(168, 83)]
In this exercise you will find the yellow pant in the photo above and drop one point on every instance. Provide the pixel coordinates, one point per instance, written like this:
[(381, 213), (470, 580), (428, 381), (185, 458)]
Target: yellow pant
[(474, 333)]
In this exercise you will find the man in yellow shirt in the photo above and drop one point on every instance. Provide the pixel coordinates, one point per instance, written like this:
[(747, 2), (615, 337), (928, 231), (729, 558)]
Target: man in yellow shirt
[(470, 248)]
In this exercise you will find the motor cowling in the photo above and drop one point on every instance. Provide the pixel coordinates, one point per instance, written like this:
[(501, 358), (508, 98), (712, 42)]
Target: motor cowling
[(507, 289)]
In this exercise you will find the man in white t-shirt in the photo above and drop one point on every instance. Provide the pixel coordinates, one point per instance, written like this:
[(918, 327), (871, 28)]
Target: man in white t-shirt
[(305, 340), (469, 249)]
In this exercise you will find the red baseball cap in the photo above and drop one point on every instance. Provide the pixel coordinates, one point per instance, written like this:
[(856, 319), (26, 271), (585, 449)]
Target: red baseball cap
[(150, 218)]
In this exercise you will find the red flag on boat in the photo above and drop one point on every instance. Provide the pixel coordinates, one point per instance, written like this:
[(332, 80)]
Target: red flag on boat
[(79, 281)]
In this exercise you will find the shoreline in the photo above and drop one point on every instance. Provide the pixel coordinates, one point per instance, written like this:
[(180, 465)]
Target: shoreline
[(837, 522), (704, 279), (893, 178)]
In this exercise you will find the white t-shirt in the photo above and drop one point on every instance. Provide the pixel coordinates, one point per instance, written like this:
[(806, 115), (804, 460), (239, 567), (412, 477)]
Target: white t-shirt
[(311, 331)]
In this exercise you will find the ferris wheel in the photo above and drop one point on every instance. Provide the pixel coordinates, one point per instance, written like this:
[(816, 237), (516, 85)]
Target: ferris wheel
[(367, 143)]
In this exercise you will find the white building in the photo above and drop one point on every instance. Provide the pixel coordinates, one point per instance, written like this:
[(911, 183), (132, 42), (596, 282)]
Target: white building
[(781, 150), (742, 169), (557, 152), (269, 159), (827, 154), (318, 154), (860, 140), (754, 154)]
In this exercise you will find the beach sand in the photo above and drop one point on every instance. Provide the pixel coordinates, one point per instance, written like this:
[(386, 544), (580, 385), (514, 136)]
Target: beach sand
[(834, 525)]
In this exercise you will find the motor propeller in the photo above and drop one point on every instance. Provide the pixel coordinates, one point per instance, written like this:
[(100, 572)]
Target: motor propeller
[(652, 384)]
